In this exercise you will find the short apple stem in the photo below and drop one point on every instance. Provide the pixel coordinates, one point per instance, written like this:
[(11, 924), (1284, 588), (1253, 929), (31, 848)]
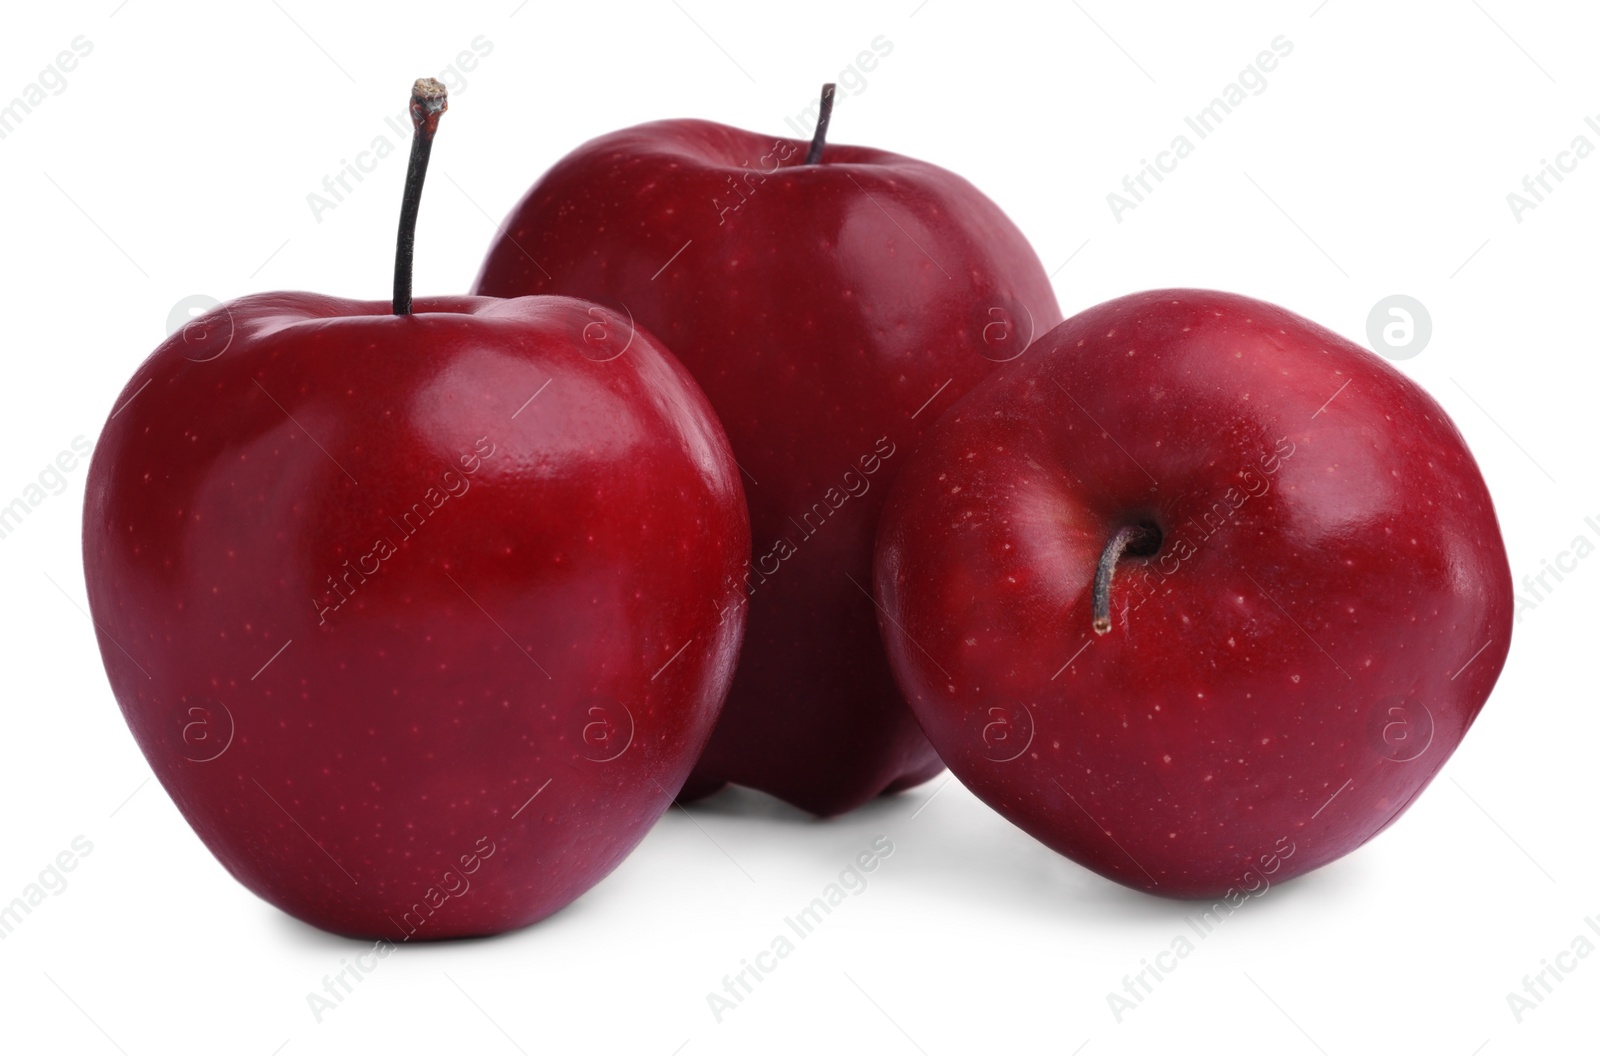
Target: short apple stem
[(1140, 539), (428, 101), (820, 137)]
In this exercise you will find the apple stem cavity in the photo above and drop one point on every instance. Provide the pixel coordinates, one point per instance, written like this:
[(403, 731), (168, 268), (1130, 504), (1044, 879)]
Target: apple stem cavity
[(1138, 540), (820, 136), (428, 100)]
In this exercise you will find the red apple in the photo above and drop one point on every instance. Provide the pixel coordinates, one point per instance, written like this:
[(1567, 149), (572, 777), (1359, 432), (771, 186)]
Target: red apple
[(415, 614), (1301, 585), (830, 307)]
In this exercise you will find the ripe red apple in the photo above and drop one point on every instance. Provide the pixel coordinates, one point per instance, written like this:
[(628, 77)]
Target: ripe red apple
[(831, 302), (415, 613), (1291, 555)]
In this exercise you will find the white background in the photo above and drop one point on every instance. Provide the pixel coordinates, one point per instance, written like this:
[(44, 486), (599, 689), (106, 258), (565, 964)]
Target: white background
[(1378, 159)]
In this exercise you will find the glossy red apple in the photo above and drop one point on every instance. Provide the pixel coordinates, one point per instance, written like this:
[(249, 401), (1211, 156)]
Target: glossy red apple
[(415, 614), (1303, 592), (831, 308)]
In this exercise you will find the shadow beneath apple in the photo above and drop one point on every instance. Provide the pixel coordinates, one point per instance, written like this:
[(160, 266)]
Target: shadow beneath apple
[(973, 858), (303, 936), (956, 849), (948, 846), (300, 935), (948, 849), (738, 801)]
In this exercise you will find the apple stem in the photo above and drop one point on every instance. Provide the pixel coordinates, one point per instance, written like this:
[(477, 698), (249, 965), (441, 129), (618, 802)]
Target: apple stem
[(819, 137), (428, 101), (1142, 538)]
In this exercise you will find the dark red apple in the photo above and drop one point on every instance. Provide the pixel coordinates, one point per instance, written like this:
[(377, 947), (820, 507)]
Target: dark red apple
[(830, 307), (415, 613), (1301, 586)]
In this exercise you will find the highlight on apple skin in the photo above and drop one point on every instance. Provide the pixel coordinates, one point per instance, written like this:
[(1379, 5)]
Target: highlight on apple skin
[(1198, 593)]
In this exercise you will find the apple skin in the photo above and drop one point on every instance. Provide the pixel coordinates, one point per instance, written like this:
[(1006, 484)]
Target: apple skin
[(378, 776), (830, 312), (1327, 612)]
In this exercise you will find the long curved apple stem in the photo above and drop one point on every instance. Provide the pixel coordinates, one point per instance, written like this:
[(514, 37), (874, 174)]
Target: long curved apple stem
[(428, 101), (820, 137), (1143, 540)]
